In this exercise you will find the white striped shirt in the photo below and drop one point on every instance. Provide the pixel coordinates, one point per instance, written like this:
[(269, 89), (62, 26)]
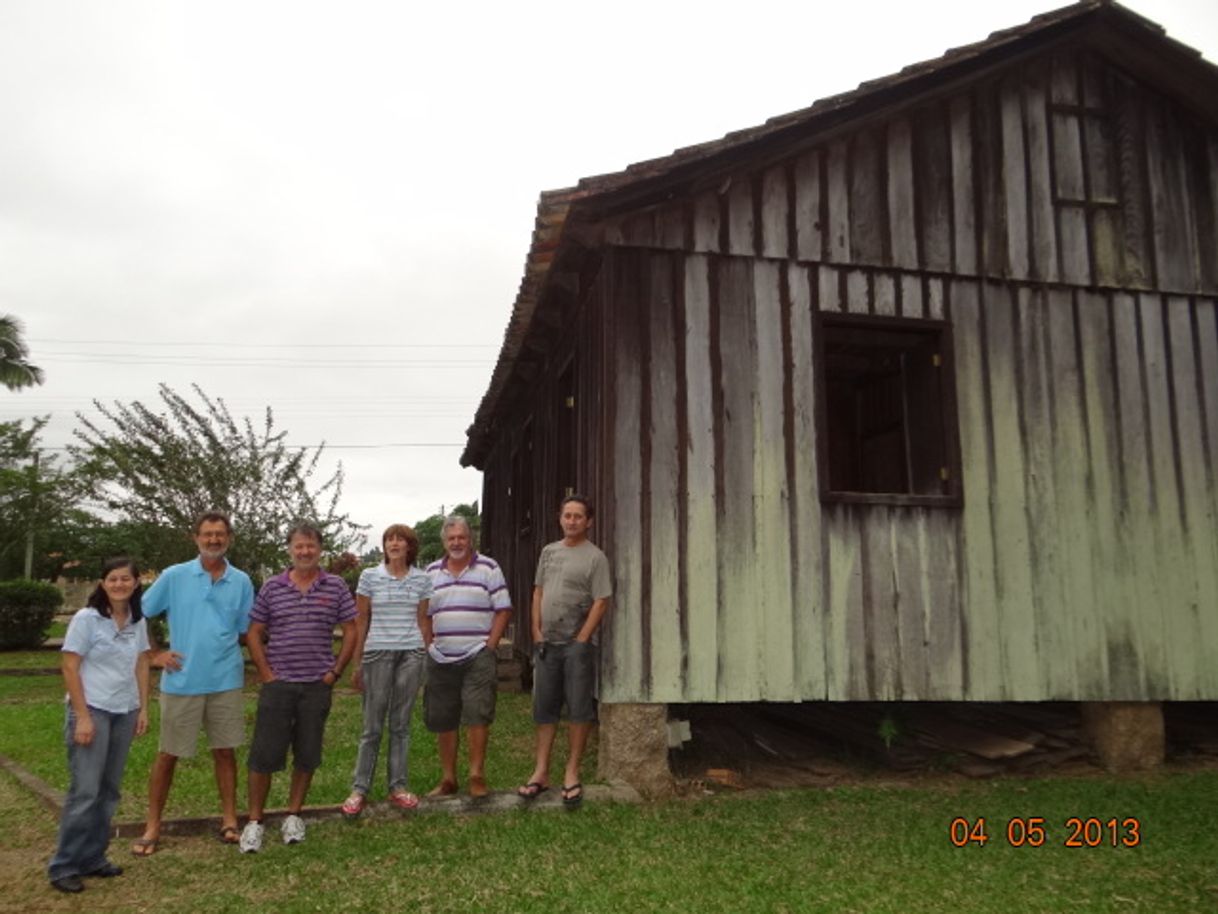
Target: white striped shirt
[(394, 624), (462, 608)]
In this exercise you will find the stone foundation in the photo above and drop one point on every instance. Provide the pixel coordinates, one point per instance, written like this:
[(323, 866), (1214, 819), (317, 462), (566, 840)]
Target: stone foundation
[(1126, 735), (633, 747)]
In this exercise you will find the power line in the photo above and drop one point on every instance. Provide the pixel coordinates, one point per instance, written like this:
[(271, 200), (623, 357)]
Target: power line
[(234, 345)]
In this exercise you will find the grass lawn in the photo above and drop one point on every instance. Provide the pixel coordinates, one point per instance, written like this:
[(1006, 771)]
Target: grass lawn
[(31, 721), (871, 848)]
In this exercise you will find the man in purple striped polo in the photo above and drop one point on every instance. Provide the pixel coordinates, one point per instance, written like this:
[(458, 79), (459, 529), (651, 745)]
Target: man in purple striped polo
[(464, 621), (295, 612)]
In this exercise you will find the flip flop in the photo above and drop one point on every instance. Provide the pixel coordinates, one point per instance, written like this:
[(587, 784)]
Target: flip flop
[(354, 805), (145, 847), (228, 834), (404, 800), (573, 796), (532, 790), (478, 788), (444, 789)]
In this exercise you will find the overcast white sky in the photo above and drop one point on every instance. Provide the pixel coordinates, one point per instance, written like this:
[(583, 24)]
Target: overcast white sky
[(325, 207)]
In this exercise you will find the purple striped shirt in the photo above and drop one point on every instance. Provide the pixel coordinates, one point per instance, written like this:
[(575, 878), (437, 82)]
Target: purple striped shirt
[(463, 607), (300, 626)]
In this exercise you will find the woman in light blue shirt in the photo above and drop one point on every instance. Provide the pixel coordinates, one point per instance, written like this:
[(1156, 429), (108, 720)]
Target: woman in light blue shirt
[(389, 663), (105, 670)]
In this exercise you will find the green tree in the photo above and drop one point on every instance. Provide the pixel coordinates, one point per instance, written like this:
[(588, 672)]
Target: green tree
[(431, 547), (15, 369), (36, 495), (161, 469)]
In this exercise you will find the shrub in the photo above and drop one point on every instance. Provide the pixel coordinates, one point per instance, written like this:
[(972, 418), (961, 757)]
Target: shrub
[(27, 609)]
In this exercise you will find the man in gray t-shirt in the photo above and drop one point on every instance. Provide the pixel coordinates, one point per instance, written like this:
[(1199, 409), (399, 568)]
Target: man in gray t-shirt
[(570, 596)]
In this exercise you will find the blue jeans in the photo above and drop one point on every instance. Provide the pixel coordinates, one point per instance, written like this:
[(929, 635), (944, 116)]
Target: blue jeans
[(391, 684), (97, 775)]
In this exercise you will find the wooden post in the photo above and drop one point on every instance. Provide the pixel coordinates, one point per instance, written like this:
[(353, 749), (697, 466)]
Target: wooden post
[(1126, 735), (633, 747)]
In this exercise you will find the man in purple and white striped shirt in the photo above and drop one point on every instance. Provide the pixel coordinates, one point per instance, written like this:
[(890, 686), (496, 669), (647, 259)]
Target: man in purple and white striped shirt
[(464, 621), (296, 612)]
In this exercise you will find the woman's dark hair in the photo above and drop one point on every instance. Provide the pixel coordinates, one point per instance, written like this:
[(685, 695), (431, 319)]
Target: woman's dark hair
[(98, 599), (406, 533)]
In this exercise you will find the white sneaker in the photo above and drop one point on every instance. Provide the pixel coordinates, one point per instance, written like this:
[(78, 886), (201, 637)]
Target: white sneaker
[(251, 838), (293, 830)]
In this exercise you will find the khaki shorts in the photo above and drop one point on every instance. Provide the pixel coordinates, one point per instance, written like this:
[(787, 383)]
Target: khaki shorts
[(182, 716)]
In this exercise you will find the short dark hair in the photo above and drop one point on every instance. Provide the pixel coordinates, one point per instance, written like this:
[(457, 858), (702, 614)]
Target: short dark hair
[(210, 517), (582, 499), (408, 534), (100, 600), (304, 530)]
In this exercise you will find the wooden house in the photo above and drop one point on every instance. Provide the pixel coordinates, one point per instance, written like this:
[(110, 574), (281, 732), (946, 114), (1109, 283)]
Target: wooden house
[(909, 395)]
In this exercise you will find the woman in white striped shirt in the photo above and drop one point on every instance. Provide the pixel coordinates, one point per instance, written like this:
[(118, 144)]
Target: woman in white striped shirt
[(389, 663)]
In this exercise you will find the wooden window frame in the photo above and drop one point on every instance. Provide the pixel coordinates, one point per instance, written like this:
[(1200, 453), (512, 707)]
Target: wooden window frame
[(823, 324)]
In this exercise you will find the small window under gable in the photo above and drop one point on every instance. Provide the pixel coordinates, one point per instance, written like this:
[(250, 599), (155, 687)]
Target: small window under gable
[(887, 411)]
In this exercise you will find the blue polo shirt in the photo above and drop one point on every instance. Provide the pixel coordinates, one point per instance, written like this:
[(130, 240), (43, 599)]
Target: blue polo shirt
[(205, 619)]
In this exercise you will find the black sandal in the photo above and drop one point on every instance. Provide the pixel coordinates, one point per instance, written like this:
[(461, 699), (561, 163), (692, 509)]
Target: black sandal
[(572, 796)]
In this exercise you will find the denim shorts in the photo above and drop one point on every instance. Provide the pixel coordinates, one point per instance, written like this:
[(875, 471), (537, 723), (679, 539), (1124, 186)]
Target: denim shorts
[(567, 671), (461, 693), (289, 714)]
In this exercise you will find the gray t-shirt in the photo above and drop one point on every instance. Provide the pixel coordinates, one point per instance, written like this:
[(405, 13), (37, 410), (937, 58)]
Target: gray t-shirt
[(571, 579)]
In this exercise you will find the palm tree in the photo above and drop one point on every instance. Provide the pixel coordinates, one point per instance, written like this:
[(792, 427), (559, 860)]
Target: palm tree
[(15, 370)]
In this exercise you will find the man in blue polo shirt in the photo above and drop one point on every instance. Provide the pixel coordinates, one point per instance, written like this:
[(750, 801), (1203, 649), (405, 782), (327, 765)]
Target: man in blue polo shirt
[(207, 603)]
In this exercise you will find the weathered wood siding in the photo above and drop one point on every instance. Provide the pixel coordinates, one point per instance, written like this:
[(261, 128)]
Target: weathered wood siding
[(1062, 219), (1082, 565), (1063, 169)]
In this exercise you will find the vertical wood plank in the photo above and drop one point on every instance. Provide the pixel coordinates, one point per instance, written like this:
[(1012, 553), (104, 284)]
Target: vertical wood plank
[(845, 635), (933, 164), (829, 289), (1200, 595), (839, 203), (867, 223), (706, 222), (670, 226), (808, 594), (912, 611), (1021, 676), (1044, 226), (1136, 527), (934, 298), (622, 667), (902, 225), (774, 212), (1014, 179), (981, 655), (666, 643), (858, 301), (939, 538), (699, 540), (1136, 257), (809, 233), (738, 635), (1114, 566), (963, 188), (911, 295), (881, 646), (1052, 616), (885, 293), (771, 497), (1075, 502), (989, 159), (1171, 211), (1167, 501), (740, 216)]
